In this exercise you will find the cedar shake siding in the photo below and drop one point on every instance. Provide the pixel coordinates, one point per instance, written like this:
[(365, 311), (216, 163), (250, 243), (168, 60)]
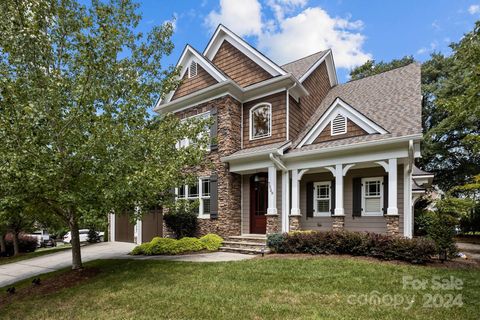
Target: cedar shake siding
[(353, 130), (295, 118), (189, 85), (238, 66), (278, 121), (318, 85), (377, 224)]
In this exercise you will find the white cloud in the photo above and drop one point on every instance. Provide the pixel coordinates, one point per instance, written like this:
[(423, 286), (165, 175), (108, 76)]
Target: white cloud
[(243, 17), (425, 50), (474, 8), (294, 31), (313, 30)]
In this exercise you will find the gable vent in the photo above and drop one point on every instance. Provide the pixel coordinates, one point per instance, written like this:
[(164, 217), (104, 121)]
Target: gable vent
[(192, 70), (339, 125)]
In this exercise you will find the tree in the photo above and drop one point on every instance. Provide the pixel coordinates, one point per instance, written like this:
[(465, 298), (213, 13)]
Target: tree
[(76, 86), (371, 67)]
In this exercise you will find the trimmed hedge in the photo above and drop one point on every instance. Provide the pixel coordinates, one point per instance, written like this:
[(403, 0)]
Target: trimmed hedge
[(417, 250), (25, 243), (169, 246)]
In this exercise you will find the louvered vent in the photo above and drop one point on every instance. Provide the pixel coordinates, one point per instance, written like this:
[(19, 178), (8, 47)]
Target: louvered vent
[(192, 70), (339, 125)]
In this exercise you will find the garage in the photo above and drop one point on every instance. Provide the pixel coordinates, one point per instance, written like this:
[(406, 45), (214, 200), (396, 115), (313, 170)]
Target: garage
[(152, 225), (124, 228)]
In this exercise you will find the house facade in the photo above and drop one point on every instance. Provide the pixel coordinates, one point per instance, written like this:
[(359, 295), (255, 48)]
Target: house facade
[(295, 150)]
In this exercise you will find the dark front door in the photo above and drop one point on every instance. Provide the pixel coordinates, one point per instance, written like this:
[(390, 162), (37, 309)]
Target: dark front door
[(258, 203)]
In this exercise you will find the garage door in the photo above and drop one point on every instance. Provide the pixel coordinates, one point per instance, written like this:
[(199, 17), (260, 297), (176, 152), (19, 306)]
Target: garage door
[(124, 229), (152, 225)]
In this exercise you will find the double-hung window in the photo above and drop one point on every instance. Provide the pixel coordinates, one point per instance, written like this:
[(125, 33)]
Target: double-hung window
[(200, 191), (322, 199), (372, 196), (186, 142)]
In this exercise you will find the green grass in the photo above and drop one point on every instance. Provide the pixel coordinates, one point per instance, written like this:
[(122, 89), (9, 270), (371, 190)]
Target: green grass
[(37, 253), (254, 289)]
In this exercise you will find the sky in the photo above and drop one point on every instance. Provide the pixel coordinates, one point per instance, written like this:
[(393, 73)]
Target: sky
[(286, 30)]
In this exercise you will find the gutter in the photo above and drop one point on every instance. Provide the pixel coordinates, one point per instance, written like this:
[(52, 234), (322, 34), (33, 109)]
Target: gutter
[(353, 146)]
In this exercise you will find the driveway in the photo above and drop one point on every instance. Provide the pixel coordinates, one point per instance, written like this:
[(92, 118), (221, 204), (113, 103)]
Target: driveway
[(16, 271)]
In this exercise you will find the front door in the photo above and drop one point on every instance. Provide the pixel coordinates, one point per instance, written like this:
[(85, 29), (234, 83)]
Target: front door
[(258, 203)]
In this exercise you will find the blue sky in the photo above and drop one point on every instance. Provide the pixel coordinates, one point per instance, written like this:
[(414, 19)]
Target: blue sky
[(289, 29)]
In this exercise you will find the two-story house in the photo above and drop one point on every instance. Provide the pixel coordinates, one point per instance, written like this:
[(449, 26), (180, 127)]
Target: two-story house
[(293, 148)]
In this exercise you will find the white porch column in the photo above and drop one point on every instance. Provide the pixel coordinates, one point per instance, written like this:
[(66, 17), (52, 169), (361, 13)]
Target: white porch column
[(339, 210), (392, 187), (295, 193), (138, 226), (285, 200), (112, 227), (272, 190)]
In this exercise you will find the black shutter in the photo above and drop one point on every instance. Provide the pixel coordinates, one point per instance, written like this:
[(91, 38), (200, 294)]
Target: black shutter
[(309, 199), (213, 129), (357, 197), (332, 197), (385, 194), (214, 196)]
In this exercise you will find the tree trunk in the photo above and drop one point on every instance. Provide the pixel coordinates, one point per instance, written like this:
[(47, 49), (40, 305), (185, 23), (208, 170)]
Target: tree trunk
[(76, 254), (3, 245), (16, 246)]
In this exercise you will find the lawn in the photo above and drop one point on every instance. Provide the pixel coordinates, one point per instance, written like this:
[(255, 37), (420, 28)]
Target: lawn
[(37, 253), (263, 288)]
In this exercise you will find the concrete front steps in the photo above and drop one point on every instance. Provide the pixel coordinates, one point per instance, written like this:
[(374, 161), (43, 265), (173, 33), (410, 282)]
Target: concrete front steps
[(249, 243)]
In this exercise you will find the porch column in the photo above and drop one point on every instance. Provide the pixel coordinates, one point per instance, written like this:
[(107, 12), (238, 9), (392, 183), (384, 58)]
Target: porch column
[(285, 200), (392, 187), (272, 214), (295, 215), (339, 210)]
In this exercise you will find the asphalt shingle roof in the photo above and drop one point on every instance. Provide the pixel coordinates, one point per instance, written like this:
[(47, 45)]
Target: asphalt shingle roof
[(391, 99), (299, 67)]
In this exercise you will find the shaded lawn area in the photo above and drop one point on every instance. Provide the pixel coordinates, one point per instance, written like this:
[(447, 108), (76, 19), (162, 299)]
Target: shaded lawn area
[(268, 288), (37, 253)]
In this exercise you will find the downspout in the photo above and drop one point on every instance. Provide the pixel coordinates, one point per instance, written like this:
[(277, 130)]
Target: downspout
[(278, 162), (241, 127), (411, 158)]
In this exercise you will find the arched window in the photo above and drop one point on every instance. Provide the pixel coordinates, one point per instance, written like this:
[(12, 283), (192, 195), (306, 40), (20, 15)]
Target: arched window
[(260, 121)]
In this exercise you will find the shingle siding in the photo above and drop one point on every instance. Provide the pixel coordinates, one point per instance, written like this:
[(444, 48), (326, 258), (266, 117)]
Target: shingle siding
[(238, 66), (189, 85), (353, 130)]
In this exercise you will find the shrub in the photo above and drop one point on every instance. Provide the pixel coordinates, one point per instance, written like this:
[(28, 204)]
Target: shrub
[(25, 243), (416, 250), (182, 220), (211, 242), (169, 246)]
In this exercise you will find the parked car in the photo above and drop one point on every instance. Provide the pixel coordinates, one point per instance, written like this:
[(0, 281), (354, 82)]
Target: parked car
[(67, 238), (43, 238)]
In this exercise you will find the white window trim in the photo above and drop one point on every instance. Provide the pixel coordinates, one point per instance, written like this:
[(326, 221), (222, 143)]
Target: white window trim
[(187, 143), (344, 131), (315, 198), (252, 109), (199, 197), (372, 214)]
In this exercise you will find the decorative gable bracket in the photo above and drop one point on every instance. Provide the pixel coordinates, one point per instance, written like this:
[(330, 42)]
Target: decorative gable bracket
[(336, 116)]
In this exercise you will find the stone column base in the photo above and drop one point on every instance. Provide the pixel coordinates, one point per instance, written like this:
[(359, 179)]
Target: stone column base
[(338, 223), (294, 222), (272, 223), (393, 225)]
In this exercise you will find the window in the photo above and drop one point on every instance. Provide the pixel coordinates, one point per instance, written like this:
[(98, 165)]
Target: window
[(260, 121), (192, 69), (339, 125), (322, 199), (372, 199), (186, 142), (198, 192)]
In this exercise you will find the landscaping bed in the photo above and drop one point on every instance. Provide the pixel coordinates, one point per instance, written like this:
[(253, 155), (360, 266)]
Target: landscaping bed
[(186, 245)]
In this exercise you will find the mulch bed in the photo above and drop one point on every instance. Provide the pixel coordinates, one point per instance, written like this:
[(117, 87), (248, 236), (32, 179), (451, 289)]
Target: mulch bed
[(450, 264), (50, 285)]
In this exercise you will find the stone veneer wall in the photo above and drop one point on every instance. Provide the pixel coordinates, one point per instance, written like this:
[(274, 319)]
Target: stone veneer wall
[(228, 222)]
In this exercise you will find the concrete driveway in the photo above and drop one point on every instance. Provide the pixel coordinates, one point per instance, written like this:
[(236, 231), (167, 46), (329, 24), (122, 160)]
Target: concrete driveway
[(17, 271)]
